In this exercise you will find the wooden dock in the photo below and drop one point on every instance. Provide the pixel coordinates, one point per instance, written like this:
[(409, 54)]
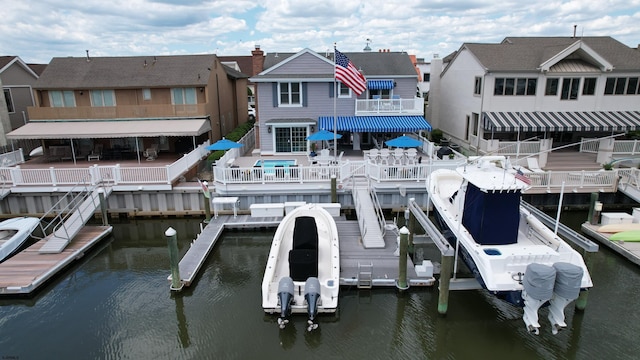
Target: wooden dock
[(630, 250), (381, 263), (29, 269)]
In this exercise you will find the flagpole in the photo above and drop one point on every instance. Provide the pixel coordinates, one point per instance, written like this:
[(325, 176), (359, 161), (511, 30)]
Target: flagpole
[(335, 97)]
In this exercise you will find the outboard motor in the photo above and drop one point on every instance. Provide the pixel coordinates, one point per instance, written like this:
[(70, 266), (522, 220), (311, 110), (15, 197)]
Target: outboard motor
[(285, 297), (538, 285), (566, 289), (312, 296)]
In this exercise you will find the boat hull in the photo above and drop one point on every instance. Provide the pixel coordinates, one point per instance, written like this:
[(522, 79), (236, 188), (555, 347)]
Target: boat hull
[(282, 254)]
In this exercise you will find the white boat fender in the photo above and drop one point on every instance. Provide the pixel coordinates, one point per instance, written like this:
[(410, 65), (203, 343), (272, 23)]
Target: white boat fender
[(538, 283), (566, 289), (285, 298), (312, 296)]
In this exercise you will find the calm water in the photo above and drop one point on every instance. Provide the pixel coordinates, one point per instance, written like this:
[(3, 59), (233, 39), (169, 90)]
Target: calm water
[(116, 304)]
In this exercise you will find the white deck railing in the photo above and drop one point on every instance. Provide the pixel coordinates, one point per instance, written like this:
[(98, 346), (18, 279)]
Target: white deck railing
[(114, 174), (413, 106)]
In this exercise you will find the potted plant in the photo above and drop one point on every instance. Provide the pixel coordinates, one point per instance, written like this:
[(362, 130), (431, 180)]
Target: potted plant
[(607, 166), (313, 149)]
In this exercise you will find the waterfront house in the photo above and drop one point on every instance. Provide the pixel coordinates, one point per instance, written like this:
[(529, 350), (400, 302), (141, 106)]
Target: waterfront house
[(17, 79), (556, 89), (296, 96), (95, 108)]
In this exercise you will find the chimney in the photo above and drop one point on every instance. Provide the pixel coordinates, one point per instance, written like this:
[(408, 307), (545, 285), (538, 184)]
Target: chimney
[(575, 27), (257, 60), (88, 58)]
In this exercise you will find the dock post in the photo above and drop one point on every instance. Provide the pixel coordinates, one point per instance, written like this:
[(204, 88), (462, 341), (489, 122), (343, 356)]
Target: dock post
[(334, 189), (410, 219), (445, 279), (402, 284), (103, 207), (172, 241), (593, 212)]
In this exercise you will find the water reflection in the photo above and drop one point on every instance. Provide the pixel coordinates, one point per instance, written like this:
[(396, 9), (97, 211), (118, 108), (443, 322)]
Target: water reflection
[(183, 328)]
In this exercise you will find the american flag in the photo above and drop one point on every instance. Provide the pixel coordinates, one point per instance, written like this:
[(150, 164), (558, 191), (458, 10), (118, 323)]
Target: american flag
[(347, 73), (520, 176)]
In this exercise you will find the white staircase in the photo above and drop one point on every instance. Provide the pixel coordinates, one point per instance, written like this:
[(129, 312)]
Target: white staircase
[(71, 220), (370, 228)]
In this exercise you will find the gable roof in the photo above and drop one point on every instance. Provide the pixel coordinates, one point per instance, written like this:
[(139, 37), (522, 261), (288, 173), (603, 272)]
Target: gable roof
[(373, 64), (530, 53), (7, 61), (126, 72), (244, 62)]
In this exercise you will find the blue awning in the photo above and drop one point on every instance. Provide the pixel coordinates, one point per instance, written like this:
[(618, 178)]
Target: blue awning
[(379, 84), (375, 123)]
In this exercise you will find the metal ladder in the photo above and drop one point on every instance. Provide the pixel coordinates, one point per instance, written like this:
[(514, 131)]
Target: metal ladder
[(365, 276)]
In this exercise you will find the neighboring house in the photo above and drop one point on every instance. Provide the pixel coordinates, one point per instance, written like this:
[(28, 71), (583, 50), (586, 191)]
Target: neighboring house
[(17, 79), (424, 69), (559, 89), (250, 65), (296, 96), (119, 105)]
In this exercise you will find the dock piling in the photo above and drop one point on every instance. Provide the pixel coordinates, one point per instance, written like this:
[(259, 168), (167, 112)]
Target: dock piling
[(445, 279), (402, 270), (103, 207), (172, 241), (207, 202), (334, 189)]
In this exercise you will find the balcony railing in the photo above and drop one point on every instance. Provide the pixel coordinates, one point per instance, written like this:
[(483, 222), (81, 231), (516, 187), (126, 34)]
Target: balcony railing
[(115, 112), (413, 106)]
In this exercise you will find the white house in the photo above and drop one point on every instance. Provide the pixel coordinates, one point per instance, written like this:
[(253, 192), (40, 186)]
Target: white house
[(560, 89)]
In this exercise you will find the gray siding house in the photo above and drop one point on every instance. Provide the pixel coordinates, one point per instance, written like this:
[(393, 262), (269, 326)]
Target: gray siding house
[(297, 96)]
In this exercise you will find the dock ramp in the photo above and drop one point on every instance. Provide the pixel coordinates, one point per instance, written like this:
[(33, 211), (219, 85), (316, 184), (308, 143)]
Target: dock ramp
[(70, 214), (371, 222)]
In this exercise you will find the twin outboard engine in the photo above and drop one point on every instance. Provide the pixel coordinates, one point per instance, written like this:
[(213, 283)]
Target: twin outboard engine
[(538, 285), (312, 296), (285, 297), (566, 289)]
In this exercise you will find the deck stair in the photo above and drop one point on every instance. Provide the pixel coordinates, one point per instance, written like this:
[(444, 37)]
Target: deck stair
[(70, 214), (371, 222), (571, 161)]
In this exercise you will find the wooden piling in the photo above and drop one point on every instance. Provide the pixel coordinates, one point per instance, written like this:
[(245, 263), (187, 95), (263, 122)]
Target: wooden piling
[(592, 217), (334, 189), (103, 207), (402, 283), (172, 241), (445, 279), (207, 202)]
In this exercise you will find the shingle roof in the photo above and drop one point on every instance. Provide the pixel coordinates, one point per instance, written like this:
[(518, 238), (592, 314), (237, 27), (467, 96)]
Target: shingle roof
[(126, 72), (244, 62), (527, 53), (371, 63)]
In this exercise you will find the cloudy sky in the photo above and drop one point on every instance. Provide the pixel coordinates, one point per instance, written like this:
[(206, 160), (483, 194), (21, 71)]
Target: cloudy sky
[(37, 30)]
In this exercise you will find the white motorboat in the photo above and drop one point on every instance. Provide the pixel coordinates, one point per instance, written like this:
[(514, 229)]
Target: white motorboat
[(510, 251), (303, 269), (14, 232)]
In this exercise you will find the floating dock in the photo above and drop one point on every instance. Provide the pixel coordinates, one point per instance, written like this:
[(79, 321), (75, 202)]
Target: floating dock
[(630, 250), (359, 266), (29, 269)]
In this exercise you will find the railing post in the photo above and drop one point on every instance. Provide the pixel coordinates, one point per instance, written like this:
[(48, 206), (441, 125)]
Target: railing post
[(52, 172)]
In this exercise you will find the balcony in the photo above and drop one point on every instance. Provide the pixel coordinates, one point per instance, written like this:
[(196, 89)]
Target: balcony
[(116, 112), (413, 106)]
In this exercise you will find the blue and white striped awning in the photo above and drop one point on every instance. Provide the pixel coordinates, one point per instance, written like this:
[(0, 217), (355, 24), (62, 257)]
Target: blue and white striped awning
[(379, 84), (562, 121), (375, 123)]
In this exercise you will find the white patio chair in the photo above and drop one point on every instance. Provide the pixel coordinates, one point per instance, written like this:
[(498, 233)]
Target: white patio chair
[(374, 155), (532, 164), (398, 156), (384, 156)]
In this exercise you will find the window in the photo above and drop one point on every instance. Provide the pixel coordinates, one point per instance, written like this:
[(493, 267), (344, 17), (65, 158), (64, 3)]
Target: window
[(632, 86), (9, 100), (103, 98), (426, 77), (621, 86), (62, 98), (552, 87), (476, 119), (146, 94), (290, 93), (343, 90), (570, 88), (515, 86), (477, 87), (589, 86), (184, 96)]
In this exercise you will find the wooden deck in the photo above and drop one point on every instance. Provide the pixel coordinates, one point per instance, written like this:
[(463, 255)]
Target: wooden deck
[(630, 250), (26, 271), (383, 263)]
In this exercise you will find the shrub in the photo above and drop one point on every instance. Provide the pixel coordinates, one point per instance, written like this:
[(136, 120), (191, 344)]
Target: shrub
[(436, 136)]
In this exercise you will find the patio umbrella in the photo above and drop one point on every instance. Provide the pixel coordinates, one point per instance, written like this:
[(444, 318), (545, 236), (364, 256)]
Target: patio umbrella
[(403, 141), (224, 144), (322, 135)]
